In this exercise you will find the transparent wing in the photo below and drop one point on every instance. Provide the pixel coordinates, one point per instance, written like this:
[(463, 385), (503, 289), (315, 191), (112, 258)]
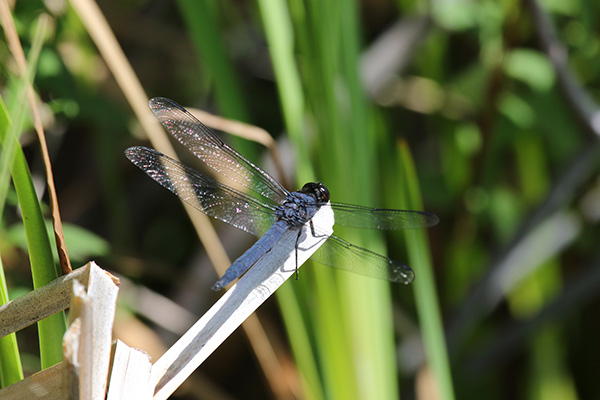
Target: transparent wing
[(208, 147), (380, 218), (338, 253), (207, 195)]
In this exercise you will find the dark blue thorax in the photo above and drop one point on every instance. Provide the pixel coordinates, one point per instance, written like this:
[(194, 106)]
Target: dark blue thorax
[(297, 209), (294, 212)]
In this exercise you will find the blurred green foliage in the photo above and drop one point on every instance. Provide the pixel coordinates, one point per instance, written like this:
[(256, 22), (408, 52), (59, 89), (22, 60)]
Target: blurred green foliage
[(501, 152)]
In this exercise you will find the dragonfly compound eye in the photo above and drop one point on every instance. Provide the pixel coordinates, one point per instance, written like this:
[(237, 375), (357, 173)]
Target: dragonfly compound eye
[(318, 190), (322, 192)]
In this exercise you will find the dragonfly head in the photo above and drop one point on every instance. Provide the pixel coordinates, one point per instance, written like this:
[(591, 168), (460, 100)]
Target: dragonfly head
[(316, 189)]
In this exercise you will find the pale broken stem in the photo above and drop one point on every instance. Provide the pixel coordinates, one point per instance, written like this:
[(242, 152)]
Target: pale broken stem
[(261, 281), (130, 373), (43, 302), (47, 384), (87, 342)]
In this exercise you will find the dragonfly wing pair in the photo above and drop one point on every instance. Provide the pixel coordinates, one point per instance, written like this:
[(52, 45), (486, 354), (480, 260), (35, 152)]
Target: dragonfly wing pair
[(254, 212)]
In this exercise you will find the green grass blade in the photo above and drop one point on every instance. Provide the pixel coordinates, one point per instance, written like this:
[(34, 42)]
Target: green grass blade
[(368, 302), (300, 343), (280, 36), (278, 31), (201, 21), (361, 309), (11, 370), (43, 269), (6, 134), (333, 343), (351, 319), (425, 292)]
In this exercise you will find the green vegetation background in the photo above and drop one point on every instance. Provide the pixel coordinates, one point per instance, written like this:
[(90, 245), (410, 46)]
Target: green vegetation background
[(452, 107)]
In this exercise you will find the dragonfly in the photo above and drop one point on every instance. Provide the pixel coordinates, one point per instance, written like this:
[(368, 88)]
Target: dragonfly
[(265, 208)]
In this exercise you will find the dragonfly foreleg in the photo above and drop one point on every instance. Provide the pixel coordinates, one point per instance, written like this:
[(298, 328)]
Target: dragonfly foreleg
[(296, 247)]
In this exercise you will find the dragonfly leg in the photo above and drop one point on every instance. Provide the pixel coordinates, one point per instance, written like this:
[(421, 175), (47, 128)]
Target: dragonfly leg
[(296, 248), (312, 230)]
